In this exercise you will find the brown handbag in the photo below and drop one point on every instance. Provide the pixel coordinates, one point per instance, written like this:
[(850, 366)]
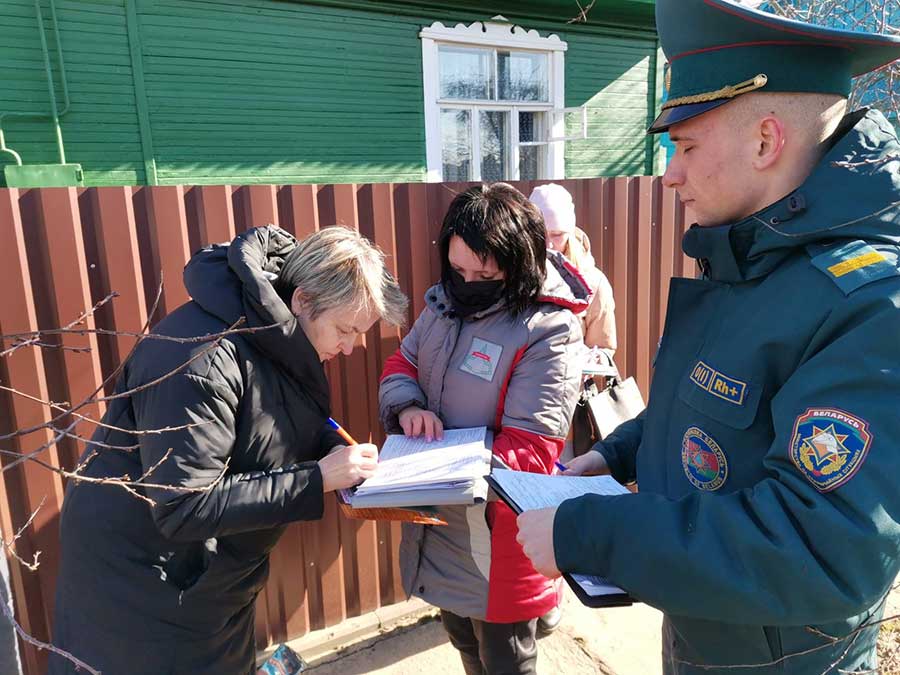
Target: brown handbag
[(601, 409)]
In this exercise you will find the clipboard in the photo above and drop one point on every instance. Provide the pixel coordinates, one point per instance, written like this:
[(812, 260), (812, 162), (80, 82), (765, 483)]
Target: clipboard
[(588, 599), (419, 516)]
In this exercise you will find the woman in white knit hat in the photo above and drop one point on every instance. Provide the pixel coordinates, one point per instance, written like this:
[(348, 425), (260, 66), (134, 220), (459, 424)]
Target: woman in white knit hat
[(599, 322)]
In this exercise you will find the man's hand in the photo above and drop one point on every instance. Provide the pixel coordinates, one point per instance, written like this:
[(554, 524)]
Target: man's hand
[(536, 537), (590, 463), (417, 422)]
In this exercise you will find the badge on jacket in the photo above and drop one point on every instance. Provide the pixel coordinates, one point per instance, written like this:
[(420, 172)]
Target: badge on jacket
[(829, 445), (703, 461), (482, 359), (718, 384)]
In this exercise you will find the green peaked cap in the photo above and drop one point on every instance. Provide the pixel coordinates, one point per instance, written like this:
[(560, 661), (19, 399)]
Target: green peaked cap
[(718, 49)]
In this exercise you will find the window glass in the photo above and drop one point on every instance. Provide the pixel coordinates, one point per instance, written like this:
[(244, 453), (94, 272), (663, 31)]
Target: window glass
[(522, 76), (456, 142), (466, 73), (494, 144), (531, 157)]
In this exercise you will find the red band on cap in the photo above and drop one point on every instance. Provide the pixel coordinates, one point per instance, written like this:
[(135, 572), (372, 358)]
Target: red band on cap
[(762, 43), (777, 25)]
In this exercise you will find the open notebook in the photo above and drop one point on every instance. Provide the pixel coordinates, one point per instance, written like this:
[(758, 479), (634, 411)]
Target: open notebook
[(524, 491), (413, 472)]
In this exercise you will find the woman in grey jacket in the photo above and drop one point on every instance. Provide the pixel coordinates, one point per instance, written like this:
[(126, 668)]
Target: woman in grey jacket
[(494, 347)]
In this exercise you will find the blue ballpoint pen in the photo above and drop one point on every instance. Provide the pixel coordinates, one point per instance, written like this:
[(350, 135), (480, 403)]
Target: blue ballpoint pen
[(561, 466), (341, 431)]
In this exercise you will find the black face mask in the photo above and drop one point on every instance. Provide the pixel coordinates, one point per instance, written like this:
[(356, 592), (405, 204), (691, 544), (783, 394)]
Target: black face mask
[(473, 296)]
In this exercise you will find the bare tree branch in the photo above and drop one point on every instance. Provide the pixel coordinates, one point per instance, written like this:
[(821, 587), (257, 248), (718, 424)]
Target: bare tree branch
[(90, 420), (81, 318), (125, 482), (830, 641), (147, 385), (93, 398), (23, 634), (10, 545), (65, 417), (875, 89), (125, 333), (582, 16)]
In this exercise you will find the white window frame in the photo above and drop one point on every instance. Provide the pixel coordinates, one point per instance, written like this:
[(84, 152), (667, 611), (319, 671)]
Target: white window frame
[(495, 34)]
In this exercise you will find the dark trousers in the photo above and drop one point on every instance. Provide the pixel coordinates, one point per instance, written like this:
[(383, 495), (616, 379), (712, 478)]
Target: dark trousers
[(493, 648)]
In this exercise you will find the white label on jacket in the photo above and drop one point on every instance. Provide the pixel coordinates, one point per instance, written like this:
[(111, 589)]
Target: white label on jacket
[(482, 359)]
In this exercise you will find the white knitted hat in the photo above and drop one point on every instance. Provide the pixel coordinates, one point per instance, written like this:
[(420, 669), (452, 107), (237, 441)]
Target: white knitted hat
[(556, 204)]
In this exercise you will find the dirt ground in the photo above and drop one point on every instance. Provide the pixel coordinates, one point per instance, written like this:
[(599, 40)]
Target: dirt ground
[(889, 636), (889, 648), (621, 641)]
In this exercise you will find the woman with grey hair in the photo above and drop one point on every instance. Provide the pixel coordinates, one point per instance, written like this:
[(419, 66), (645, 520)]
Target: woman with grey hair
[(167, 584)]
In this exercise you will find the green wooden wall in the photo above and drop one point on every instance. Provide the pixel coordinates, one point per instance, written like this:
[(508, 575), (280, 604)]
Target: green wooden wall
[(101, 128), (244, 91)]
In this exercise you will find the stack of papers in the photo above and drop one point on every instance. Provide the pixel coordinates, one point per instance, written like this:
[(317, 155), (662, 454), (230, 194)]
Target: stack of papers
[(415, 472)]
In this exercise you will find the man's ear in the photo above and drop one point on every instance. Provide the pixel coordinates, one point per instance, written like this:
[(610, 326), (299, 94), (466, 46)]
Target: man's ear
[(770, 140)]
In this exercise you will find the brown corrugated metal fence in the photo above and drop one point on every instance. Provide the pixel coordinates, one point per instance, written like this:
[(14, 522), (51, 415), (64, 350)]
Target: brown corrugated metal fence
[(64, 249)]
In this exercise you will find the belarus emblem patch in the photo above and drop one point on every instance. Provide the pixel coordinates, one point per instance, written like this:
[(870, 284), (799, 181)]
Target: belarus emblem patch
[(829, 445), (703, 460)]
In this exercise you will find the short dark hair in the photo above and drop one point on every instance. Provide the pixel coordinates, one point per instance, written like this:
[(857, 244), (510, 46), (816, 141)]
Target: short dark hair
[(497, 220)]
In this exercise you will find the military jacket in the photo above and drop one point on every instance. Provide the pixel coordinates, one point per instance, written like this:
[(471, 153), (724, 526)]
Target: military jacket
[(768, 459)]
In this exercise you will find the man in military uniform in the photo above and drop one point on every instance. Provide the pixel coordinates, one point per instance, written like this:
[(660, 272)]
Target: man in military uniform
[(767, 524)]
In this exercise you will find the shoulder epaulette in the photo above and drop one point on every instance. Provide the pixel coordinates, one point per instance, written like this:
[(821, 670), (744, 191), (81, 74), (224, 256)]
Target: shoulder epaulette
[(852, 265)]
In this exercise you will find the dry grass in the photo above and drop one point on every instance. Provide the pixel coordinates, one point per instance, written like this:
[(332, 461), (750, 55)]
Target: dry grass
[(889, 648)]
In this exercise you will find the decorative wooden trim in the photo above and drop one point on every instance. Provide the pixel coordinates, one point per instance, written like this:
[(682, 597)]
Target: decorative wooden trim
[(434, 165), (495, 34), (499, 33), (556, 152)]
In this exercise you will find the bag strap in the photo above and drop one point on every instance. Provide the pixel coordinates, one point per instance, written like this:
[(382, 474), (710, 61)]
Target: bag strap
[(616, 377), (589, 387)]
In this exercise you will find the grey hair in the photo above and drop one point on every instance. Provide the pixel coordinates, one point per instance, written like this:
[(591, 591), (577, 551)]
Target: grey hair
[(338, 267)]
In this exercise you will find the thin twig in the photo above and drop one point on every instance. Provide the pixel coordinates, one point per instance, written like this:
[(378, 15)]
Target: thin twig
[(34, 342), (91, 420), (22, 457), (10, 545), (23, 634), (125, 482), (878, 161), (99, 444), (582, 12), (125, 333), (831, 641), (93, 398), (152, 383), (118, 369), (81, 318)]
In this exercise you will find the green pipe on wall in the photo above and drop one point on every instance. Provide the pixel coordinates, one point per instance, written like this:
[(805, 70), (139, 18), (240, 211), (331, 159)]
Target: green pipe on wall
[(54, 114), (140, 92)]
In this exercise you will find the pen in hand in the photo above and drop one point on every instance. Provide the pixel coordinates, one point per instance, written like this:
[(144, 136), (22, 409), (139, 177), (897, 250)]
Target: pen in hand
[(343, 432), (347, 466), (561, 466)]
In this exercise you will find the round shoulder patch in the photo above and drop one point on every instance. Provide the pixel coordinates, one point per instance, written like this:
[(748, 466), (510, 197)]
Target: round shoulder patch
[(828, 446), (704, 462)]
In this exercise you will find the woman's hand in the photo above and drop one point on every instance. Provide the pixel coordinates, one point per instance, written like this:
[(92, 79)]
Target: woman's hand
[(417, 422), (348, 465), (591, 462)]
